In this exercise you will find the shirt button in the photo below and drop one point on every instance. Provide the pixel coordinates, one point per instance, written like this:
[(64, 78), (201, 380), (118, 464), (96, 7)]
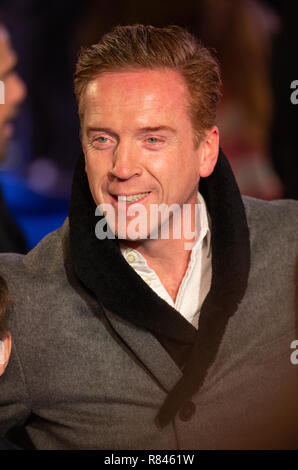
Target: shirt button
[(131, 258), (187, 411), (148, 280)]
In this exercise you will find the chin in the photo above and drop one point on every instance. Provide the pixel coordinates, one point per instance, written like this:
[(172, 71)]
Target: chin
[(138, 237)]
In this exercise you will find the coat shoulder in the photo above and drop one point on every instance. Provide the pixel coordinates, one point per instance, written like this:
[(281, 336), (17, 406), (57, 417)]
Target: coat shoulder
[(273, 220), (42, 262), (280, 207)]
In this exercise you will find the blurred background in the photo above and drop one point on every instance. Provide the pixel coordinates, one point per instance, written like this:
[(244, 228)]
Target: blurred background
[(255, 41)]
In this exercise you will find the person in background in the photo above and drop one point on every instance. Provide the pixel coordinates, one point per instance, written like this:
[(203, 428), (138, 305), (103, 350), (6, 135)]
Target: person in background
[(11, 237), (5, 336), (241, 32), (5, 346), (284, 143)]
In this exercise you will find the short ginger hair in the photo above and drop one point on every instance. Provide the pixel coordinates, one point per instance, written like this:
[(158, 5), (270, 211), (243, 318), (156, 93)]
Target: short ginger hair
[(141, 47), (4, 300)]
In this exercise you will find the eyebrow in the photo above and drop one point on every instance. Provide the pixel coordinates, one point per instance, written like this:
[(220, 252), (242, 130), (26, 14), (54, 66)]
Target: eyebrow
[(142, 130), (157, 129), (102, 129)]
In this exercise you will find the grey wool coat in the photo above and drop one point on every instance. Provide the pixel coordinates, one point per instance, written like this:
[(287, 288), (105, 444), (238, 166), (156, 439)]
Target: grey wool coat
[(99, 361)]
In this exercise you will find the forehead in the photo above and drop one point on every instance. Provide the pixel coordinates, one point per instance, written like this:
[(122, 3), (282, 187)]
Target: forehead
[(136, 94)]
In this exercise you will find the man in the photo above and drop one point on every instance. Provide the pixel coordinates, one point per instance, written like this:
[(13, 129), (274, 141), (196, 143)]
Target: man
[(14, 92), (5, 336), (137, 341), (5, 345)]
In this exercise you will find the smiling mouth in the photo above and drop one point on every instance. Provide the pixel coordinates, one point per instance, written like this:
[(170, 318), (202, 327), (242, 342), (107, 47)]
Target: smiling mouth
[(129, 199)]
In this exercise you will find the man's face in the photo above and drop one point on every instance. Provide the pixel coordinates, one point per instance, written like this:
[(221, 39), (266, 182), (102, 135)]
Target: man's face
[(138, 139), (14, 90)]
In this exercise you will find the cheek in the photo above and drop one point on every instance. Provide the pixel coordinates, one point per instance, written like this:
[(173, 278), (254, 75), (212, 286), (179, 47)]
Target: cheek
[(97, 172), (165, 164), (166, 170), (91, 169), (93, 166)]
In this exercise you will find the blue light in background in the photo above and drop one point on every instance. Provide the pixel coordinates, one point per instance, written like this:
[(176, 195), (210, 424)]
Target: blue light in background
[(36, 214)]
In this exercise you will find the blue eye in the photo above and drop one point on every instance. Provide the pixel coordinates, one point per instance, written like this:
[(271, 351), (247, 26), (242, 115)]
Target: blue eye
[(102, 142), (152, 140)]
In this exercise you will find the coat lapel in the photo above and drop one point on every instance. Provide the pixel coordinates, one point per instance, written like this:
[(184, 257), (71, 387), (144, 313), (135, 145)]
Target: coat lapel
[(147, 350)]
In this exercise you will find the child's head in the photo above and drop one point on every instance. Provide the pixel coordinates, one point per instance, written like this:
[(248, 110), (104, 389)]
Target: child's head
[(5, 337)]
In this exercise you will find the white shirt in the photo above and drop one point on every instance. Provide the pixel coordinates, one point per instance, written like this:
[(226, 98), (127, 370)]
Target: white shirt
[(192, 290)]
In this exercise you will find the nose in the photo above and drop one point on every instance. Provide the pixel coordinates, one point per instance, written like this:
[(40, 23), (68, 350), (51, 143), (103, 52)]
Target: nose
[(126, 161)]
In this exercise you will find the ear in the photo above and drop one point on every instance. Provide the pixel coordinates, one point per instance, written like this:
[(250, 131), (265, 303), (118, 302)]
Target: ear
[(209, 148)]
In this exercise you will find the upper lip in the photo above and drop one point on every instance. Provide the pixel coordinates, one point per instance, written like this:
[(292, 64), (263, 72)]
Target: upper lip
[(129, 194)]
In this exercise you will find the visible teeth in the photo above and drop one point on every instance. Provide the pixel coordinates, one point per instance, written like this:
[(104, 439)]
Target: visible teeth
[(132, 198)]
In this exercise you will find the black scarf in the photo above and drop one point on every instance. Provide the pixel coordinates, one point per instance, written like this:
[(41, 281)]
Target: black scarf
[(103, 270)]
